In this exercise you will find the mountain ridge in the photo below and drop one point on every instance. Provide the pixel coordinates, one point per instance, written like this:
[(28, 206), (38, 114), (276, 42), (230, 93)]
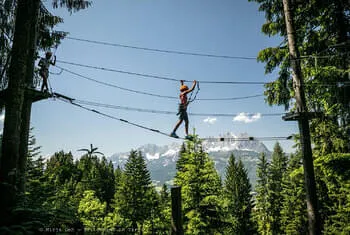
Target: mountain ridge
[(161, 160)]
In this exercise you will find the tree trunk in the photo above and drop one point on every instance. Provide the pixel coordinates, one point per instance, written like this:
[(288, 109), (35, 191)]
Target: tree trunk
[(27, 103), (23, 147), (344, 91), (304, 128), (176, 211), (14, 103)]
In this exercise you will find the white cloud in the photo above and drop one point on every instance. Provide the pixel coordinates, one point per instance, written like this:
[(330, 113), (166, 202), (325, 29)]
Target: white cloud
[(209, 120), (2, 117), (247, 118)]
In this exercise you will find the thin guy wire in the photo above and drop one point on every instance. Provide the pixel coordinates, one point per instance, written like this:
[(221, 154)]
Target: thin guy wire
[(183, 52), (161, 50), (115, 86), (159, 77)]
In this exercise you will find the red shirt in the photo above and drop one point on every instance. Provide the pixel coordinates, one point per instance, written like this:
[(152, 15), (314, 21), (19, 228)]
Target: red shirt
[(183, 98)]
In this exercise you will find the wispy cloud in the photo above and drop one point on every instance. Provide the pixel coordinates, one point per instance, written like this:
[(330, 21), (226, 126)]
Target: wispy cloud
[(209, 120), (247, 118)]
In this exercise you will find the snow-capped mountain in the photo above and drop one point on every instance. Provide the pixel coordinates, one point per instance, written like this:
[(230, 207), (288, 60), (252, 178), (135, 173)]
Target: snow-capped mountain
[(232, 142), (161, 160)]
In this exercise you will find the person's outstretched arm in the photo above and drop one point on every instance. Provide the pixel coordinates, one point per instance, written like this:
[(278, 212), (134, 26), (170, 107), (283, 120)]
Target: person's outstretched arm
[(192, 88), (54, 61)]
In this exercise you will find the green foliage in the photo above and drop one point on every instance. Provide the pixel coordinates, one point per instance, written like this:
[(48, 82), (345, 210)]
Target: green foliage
[(201, 190), (134, 197), (294, 219), (321, 34), (91, 211), (277, 170), (237, 192), (47, 36), (321, 30), (98, 175), (71, 5), (7, 17), (26, 219), (333, 173), (60, 168), (262, 214), (162, 220)]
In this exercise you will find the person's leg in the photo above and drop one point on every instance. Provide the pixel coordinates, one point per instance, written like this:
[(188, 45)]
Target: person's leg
[(42, 78), (177, 125), (186, 123), (186, 127), (45, 83)]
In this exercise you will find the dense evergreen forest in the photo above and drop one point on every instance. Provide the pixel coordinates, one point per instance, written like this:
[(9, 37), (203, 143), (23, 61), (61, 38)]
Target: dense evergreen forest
[(63, 195), (88, 196)]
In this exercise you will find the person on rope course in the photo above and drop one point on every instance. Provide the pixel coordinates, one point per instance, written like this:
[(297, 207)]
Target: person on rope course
[(183, 116), (44, 65)]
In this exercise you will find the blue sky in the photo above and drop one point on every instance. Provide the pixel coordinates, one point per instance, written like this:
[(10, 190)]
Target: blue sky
[(201, 26)]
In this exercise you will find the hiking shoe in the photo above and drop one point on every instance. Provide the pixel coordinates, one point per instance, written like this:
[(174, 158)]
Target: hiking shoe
[(173, 134), (188, 137)]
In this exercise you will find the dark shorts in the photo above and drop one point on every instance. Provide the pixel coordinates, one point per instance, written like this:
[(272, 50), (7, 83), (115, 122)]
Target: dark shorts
[(183, 115), (44, 73)]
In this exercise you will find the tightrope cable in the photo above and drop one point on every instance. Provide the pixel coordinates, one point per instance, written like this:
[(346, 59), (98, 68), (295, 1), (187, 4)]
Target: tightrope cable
[(111, 117), (72, 101)]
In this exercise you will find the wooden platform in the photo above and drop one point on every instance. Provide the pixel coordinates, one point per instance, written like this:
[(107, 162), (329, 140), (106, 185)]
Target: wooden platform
[(38, 95), (296, 116), (34, 95)]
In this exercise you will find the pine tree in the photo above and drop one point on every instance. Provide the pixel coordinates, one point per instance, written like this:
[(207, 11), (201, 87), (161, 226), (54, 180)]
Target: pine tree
[(333, 174), (133, 197), (237, 189), (181, 161), (118, 173), (277, 169), (61, 175), (107, 184), (201, 191), (293, 213), (91, 211), (34, 175), (160, 220), (97, 175), (262, 215), (60, 168)]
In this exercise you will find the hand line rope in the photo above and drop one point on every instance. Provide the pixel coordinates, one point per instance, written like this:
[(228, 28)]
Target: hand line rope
[(96, 104), (159, 77), (178, 80), (152, 94)]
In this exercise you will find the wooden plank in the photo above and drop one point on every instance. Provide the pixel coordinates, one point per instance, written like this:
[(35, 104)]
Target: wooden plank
[(36, 95), (296, 116)]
